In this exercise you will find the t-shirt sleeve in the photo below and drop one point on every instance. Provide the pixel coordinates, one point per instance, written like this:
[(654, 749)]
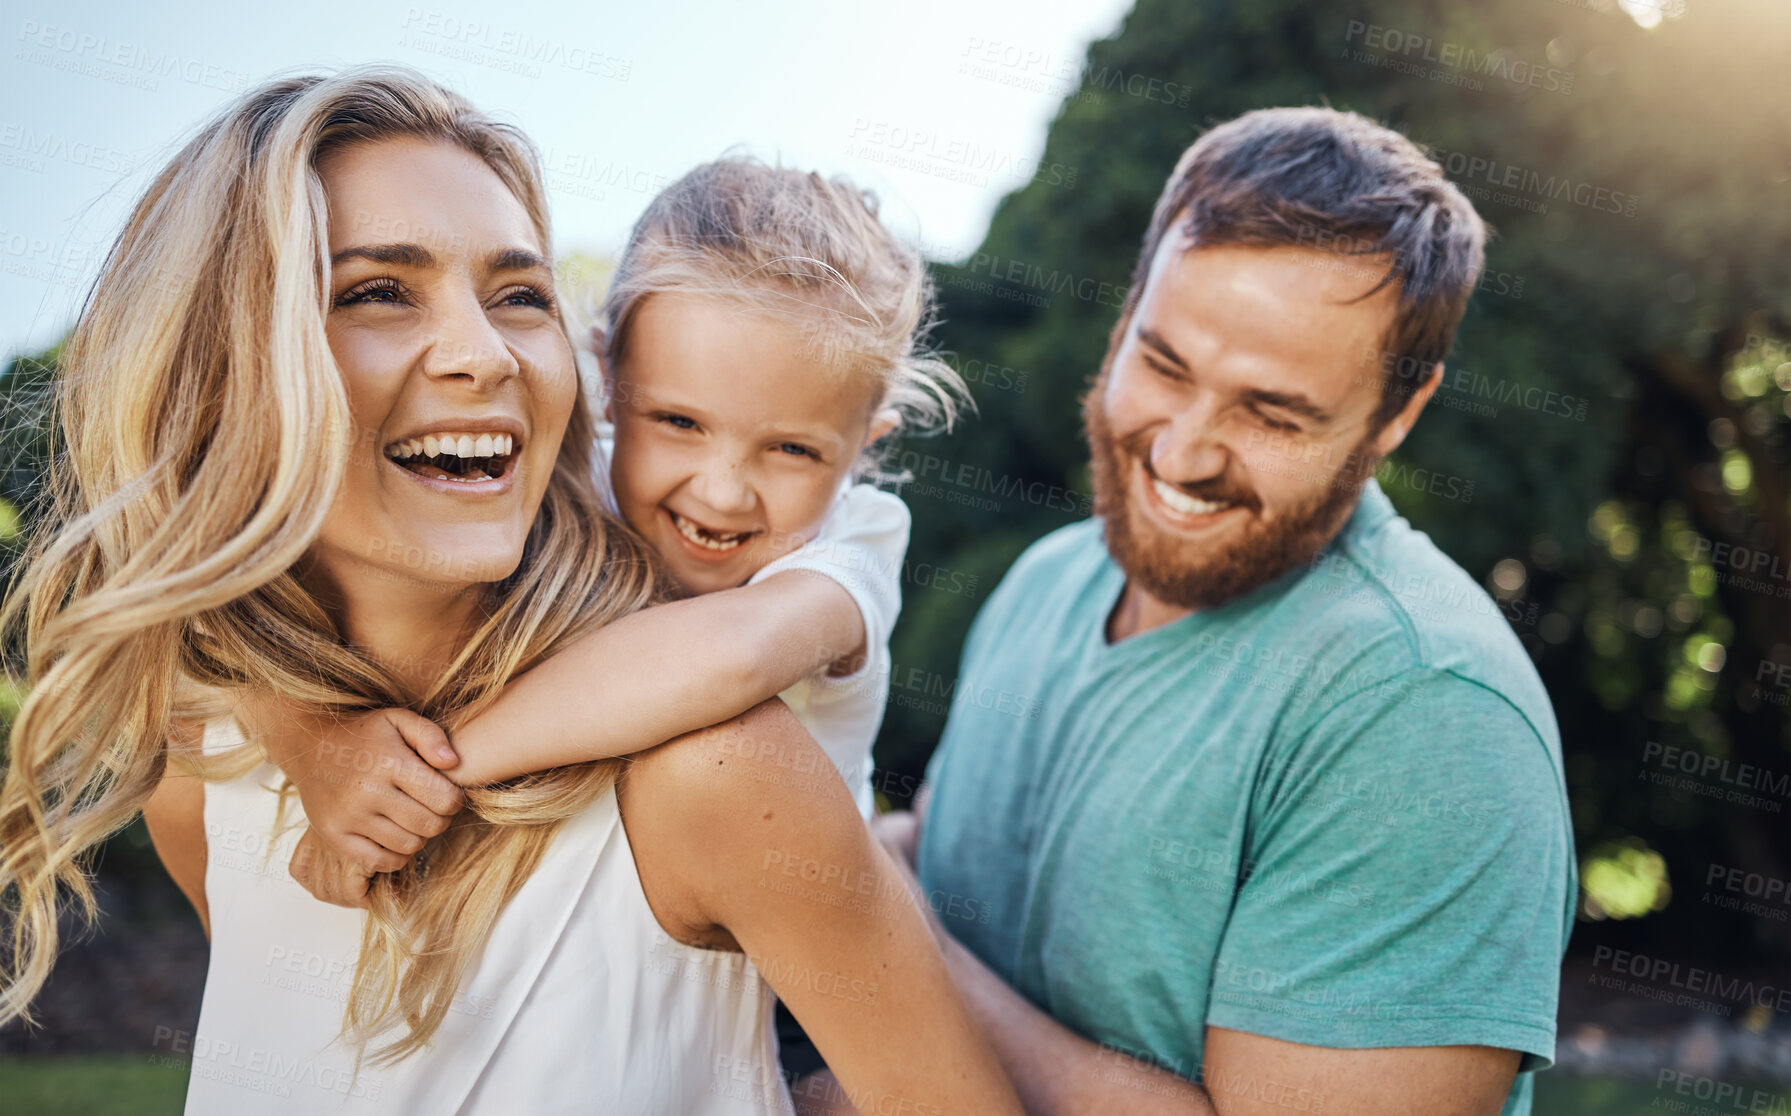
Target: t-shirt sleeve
[(1408, 880), (862, 546)]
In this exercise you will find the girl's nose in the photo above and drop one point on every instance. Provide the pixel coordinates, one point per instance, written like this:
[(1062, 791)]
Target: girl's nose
[(723, 486)]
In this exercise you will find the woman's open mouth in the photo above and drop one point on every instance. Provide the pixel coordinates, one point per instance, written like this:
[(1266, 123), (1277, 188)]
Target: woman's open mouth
[(460, 458)]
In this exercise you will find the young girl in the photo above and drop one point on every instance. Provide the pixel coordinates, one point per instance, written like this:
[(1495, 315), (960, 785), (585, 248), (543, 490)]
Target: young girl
[(761, 335)]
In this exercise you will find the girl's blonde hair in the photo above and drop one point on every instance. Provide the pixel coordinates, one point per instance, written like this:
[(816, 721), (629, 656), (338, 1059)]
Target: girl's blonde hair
[(803, 248), (203, 434)]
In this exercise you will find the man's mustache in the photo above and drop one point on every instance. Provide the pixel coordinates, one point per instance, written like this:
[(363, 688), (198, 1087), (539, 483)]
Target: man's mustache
[(1217, 490)]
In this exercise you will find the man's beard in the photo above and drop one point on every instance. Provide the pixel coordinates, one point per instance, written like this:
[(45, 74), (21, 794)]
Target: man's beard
[(1169, 568)]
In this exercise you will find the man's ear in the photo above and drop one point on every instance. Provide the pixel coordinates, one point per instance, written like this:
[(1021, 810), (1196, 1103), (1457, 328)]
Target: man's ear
[(1392, 434)]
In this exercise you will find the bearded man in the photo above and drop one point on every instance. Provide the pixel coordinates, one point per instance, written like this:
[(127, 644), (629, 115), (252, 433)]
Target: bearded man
[(1286, 830)]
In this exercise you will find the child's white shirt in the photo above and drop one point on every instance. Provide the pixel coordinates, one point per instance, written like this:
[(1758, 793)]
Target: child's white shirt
[(861, 545)]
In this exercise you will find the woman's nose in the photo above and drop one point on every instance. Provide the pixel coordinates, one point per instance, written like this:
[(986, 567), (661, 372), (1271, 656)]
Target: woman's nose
[(466, 345)]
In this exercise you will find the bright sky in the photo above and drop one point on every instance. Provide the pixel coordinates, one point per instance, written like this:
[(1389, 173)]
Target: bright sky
[(96, 97)]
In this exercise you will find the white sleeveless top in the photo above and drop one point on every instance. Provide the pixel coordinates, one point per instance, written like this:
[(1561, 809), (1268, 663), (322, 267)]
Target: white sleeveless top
[(578, 1003)]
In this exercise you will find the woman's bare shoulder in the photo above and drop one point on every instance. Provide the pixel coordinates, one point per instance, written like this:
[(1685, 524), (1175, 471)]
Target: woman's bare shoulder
[(703, 811)]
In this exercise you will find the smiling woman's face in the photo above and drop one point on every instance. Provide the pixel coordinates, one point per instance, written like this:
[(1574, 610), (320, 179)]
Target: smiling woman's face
[(460, 377)]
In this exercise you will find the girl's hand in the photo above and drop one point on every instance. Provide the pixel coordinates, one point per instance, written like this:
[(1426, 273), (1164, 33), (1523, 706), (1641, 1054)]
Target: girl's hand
[(368, 794), (327, 876)]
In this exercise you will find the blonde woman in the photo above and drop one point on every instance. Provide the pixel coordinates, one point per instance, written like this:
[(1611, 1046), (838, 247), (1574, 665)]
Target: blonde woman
[(334, 266)]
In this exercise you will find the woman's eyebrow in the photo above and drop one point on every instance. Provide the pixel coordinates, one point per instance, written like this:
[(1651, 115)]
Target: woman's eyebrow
[(396, 255), (516, 259)]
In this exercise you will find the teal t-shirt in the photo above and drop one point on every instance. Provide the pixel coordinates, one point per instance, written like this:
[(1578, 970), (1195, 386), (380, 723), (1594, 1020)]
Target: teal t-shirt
[(1330, 811)]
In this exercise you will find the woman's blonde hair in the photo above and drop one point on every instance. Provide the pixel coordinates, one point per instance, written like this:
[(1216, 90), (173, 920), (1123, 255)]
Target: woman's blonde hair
[(202, 426), (808, 250)]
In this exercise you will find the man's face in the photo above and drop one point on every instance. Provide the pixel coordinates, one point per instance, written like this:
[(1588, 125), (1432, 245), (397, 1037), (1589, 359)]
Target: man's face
[(1229, 425)]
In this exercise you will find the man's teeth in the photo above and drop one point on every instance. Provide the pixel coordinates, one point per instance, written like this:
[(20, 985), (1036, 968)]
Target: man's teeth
[(1184, 503), (704, 539), (452, 445)]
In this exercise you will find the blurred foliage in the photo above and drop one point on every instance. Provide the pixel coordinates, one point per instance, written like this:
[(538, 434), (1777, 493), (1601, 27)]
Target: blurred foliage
[(1609, 532)]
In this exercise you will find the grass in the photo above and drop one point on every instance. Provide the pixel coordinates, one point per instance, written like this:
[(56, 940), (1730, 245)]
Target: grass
[(128, 1085), (92, 1085)]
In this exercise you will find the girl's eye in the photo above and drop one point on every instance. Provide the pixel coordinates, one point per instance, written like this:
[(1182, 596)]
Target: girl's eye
[(372, 291), (797, 449), (528, 295), (682, 422)]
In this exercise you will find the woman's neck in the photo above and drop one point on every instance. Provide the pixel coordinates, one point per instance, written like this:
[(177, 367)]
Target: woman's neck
[(411, 628)]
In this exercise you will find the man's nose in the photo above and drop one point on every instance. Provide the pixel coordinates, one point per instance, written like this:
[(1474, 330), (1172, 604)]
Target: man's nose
[(1190, 448)]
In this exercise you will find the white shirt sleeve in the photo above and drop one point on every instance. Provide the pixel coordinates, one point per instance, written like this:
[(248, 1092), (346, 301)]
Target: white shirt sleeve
[(862, 546)]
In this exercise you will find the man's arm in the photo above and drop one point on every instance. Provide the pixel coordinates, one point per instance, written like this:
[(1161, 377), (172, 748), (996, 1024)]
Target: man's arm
[(1058, 1071), (659, 673)]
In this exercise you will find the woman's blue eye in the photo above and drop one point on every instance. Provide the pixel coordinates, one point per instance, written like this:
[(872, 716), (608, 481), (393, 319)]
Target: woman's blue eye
[(796, 450), (529, 296), (682, 422)]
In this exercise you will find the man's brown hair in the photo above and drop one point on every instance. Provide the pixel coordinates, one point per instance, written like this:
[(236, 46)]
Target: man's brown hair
[(1337, 182)]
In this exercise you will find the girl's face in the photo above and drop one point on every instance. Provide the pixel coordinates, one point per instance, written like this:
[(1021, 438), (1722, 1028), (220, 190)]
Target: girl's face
[(732, 436), (460, 377)]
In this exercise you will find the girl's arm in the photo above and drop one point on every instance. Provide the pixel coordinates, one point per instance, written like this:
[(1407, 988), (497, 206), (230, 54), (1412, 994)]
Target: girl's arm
[(734, 848), (662, 672)]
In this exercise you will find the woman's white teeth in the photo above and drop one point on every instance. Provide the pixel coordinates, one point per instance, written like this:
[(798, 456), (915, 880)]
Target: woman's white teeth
[(704, 539), (452, 445), (1184, 503)]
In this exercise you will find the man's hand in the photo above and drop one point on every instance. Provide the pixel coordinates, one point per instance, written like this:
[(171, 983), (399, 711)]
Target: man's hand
[(899, 832), (328, 876), (367, 791)]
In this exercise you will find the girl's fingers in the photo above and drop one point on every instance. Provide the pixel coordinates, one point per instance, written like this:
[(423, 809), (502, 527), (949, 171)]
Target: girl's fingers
[(425, 737)]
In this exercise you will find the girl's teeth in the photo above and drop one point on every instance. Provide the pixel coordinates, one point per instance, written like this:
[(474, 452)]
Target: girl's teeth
[(1184, 503), (696, 535), (431, 445), (482, 447), (465, 447)]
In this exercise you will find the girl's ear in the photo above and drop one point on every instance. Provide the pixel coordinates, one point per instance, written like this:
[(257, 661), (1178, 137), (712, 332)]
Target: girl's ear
[(882, 423), (599, 346)]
